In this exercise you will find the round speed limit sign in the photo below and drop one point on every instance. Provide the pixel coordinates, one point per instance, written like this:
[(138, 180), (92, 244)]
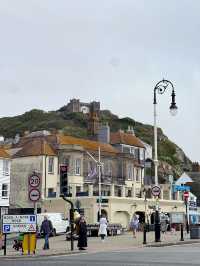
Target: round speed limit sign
[(34, 180), (155, 190)]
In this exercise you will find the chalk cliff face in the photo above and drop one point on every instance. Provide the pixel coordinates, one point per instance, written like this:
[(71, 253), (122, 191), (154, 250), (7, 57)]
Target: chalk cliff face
[(172, 158)]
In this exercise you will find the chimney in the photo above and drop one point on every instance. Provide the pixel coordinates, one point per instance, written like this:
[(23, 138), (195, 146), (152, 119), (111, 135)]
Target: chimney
[(104, 134)]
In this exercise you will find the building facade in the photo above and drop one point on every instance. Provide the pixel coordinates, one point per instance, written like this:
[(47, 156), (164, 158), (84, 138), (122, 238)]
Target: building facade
[(4, 181), (122, 157)]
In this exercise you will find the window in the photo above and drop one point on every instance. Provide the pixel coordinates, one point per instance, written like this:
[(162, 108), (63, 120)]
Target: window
[(130, 172), (65, 161), (4, 192), (108, 169), (137, 175), (51, 193), (141, 154), (138, 193), (78, 189), (5, 167), (132, 151), (78, 167), (128, 192), (51, 165)]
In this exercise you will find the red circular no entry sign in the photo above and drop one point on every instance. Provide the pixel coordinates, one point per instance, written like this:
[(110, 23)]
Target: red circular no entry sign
[(186, 194)]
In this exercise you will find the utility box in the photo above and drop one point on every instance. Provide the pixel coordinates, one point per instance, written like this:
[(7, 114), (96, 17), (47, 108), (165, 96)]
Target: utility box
[(195, 231)]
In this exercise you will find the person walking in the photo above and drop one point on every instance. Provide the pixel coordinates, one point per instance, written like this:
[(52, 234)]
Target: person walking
[(134, 224), (46, 229), (103, 224), (82, 232)]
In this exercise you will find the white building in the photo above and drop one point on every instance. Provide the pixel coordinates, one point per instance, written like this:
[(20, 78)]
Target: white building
[(5, 163)]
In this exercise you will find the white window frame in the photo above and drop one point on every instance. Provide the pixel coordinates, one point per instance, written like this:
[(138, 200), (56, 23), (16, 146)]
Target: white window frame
[(132, 151), (5, 190), (6, 167), (51, 165), (78, 166), (130, 172)]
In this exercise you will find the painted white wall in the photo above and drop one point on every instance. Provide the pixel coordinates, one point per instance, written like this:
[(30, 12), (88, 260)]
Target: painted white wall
[(4, 179)]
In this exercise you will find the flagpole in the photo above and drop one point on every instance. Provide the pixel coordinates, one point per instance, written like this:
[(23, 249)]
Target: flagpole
[(99, 171)]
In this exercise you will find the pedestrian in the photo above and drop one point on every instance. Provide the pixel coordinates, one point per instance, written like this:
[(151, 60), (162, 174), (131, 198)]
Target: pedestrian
[(82, 233), (134, 224), (46, 229), (103, 223)]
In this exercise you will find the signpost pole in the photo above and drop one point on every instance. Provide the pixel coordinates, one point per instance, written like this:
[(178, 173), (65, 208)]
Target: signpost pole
[(187, 222), (35, 207), (5, 244), (71, 220), (29, 243), (182, 238)]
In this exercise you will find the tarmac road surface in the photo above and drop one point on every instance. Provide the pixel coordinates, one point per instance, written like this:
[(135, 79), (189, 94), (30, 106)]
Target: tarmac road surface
[(186, 255)]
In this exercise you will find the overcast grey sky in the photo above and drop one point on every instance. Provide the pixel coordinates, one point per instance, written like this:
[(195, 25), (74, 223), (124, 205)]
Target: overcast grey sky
[(114, 51)]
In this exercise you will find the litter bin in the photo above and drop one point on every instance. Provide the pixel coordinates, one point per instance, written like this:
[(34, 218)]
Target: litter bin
[(195, 231)]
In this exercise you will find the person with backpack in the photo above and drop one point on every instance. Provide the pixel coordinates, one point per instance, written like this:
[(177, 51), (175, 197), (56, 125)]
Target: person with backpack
[(46, 229)]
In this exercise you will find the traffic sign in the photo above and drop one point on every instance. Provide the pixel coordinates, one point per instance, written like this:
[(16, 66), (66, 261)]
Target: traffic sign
[(34, 180), (19, 219), (19, 223), (34, 194), (155, 190), (181, 188), (186, 194)]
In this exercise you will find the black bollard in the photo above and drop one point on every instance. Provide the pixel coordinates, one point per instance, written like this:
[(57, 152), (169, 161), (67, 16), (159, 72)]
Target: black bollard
[(144, 234), (182, 238)]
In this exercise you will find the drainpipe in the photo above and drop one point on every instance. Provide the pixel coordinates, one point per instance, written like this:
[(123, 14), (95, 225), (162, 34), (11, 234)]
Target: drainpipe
[(45, 177)]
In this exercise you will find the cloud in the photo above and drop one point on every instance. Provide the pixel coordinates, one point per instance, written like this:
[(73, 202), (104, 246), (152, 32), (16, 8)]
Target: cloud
[(114, 51)]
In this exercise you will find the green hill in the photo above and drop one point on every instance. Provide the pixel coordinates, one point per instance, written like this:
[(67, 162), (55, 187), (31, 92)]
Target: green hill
[(75, 124)]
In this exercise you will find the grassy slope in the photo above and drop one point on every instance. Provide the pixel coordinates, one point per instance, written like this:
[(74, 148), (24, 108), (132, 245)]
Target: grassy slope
[(75, 124)]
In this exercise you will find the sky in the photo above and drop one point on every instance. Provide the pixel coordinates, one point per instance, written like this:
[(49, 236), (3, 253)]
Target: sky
[(112, 51)]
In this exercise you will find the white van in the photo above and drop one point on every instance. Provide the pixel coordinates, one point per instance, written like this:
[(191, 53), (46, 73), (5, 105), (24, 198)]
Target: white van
[(60, 224)]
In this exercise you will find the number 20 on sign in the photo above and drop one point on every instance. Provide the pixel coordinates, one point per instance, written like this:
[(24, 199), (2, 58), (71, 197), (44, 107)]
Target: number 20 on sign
[(34, 181)]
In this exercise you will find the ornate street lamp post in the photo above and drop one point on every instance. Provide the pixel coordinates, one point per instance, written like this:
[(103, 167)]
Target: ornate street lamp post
[(160, 88)]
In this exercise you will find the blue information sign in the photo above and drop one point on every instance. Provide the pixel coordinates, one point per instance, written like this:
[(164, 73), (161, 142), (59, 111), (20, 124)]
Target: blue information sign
[(181, 188)]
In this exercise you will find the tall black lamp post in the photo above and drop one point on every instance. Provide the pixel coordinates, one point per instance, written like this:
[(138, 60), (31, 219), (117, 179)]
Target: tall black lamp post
[(160, 88)]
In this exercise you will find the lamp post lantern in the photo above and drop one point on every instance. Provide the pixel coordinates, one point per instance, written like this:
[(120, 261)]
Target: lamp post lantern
[(160, 88)]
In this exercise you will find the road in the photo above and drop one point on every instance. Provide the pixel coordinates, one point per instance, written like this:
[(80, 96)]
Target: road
[(185, 255)]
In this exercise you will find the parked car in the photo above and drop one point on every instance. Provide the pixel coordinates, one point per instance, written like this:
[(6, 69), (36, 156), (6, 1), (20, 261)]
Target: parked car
[(60, 224)]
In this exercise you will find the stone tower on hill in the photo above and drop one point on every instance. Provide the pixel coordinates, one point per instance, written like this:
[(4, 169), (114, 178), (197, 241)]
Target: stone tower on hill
[(75, 106)]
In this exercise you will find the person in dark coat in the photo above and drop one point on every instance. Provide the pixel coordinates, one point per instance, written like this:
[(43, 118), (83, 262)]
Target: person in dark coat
[(82, 232), (46, 229)]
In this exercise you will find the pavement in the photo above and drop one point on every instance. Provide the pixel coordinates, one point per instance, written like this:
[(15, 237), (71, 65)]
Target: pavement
[(124, 242)]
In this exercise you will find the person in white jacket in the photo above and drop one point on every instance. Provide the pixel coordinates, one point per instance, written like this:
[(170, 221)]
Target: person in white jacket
[(103, 223)]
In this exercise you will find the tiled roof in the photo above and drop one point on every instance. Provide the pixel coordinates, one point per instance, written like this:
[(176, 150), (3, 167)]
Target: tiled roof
[(125, 138), (86, 144), (4, 154), (36, 147)]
